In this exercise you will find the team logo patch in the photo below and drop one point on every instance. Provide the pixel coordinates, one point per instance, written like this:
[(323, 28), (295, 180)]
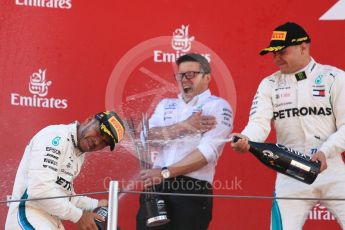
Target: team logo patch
[(56, 141), (117, 126), (279, 35), (318, 80), (301, 76), (318, 92)]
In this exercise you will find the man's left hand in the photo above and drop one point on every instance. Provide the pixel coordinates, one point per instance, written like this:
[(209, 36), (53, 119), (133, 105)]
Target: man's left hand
[(151, 177), (320, 156), (102, 203)]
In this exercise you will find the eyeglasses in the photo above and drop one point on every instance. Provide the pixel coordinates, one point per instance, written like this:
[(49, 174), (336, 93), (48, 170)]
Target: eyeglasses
[(188, 75)]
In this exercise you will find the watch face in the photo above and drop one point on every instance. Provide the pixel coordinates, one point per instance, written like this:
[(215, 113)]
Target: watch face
[(165, 173)]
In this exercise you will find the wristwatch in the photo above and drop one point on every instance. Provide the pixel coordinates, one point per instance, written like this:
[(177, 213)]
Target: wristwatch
[(165, 173)]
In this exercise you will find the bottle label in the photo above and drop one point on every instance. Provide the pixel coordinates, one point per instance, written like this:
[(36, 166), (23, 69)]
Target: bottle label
[(270, 154), (103, 211), (300, 165), (161, 207)]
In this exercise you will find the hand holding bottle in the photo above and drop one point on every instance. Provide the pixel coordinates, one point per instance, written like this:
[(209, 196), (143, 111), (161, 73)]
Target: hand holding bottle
[(240, 145), (320, 157)]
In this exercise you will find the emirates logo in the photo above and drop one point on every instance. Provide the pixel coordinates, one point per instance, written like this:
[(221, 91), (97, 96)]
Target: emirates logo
[(181, 43), (38, 84), (180, 40), (38, 87)]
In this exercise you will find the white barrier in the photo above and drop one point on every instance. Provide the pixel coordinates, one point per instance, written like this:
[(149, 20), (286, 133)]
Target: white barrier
[(113, 205)]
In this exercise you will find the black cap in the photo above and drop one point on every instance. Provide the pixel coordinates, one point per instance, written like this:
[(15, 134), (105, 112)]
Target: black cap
[(111, 125), (288, 34)]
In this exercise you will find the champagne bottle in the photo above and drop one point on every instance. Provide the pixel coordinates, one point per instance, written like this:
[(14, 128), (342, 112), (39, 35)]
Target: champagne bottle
[(102, 211), (156, 212), (285, 160)]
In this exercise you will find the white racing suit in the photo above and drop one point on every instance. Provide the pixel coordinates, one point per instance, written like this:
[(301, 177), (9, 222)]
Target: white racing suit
[(50, 163), (308, 115)]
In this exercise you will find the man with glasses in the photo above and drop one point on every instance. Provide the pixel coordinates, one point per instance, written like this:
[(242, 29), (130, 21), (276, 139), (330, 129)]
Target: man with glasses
[(305, 100), (192, 128)]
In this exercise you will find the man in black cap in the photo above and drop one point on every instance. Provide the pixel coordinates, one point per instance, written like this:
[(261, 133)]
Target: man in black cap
[(305, 100), (51, 161), (288, 34)]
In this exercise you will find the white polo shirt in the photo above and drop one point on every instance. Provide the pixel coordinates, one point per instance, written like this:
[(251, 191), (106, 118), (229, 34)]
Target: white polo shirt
[(174, 110)]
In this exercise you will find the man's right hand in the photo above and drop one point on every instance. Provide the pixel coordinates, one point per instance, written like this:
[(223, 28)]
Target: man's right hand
[(151, 177), (102, 203), (241, 145), (87, 221), (198, 123)]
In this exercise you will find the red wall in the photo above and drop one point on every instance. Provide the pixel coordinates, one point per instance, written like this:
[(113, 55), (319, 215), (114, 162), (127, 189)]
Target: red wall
[(101, 55)]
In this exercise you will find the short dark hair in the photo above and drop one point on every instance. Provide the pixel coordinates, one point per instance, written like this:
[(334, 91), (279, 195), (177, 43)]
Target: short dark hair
[(205, 66)]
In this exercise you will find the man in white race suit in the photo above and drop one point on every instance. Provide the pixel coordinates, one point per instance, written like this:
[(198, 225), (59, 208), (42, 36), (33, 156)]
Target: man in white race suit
[(51, 161), (306, 102)]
